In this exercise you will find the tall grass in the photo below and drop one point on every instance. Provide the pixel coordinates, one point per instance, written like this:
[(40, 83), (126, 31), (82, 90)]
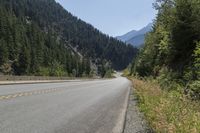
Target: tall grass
[(167, 111)]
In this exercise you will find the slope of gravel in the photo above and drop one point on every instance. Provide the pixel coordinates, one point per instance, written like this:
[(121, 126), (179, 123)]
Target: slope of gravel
[(134, 119)]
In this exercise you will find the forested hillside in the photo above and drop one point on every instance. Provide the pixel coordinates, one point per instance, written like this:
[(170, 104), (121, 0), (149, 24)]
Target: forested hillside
[(172, 49), (37, 38), (26, 49)]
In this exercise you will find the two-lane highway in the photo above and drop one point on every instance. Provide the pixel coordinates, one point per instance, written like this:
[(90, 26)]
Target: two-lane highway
[(69, 107)]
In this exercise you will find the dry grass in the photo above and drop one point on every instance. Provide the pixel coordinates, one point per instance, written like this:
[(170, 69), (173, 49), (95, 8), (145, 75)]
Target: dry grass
[(167, 112)]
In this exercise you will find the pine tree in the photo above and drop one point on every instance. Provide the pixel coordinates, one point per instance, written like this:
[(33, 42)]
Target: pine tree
[(24, 61), (3, 52)]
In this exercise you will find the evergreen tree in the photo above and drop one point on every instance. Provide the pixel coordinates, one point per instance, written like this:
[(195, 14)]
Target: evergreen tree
[(24, 61), (3, 52)]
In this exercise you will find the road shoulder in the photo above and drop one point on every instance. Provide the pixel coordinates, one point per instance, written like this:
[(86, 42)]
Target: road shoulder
[(135, 122)]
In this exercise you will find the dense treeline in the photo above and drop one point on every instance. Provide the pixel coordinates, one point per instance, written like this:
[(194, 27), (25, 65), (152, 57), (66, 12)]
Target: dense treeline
[(172, 49), (27, 50), (90, 42)]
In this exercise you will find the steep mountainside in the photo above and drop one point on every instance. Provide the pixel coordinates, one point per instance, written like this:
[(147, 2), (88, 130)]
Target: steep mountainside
[(44, 31), (137, 41), (136, 38)]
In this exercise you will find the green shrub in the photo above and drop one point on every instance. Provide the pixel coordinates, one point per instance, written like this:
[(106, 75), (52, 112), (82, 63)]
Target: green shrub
[(43, 71), (197, 60), (194, 90), (168, 80)]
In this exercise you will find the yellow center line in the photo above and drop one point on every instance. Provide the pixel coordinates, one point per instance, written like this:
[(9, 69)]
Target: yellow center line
[(14, 96), (23, 94), (2, 97)]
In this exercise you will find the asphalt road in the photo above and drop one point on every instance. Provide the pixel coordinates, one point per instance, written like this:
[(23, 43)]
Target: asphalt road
[(69, 107)]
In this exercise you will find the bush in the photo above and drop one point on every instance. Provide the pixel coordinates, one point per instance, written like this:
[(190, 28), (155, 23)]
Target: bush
[(194, 90), (43, 71), (168, 80), (197, 60)]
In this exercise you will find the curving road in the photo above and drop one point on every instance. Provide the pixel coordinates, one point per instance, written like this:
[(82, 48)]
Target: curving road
[(69, 107)]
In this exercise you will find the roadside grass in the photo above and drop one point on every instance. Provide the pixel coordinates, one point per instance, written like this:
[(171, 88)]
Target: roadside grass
[(167, 111)]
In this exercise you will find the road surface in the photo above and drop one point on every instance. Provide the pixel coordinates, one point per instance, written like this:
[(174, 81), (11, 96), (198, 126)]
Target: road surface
[(69, 107)]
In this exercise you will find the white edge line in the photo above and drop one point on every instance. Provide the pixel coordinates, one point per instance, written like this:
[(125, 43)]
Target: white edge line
[(119, 127)]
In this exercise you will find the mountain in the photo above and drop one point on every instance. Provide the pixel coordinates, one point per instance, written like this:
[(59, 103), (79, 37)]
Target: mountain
[(136, 38), (40, 37), (127, 36)]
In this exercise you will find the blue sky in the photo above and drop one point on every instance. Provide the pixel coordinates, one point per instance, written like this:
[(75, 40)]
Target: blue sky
[(113, 17)]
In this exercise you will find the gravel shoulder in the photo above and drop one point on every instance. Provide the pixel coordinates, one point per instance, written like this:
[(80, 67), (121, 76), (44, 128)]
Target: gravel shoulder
[(135, 122)]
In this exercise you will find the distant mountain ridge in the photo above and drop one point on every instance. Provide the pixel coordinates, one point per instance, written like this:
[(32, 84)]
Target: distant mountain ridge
[(127, 36), (136, 38)]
